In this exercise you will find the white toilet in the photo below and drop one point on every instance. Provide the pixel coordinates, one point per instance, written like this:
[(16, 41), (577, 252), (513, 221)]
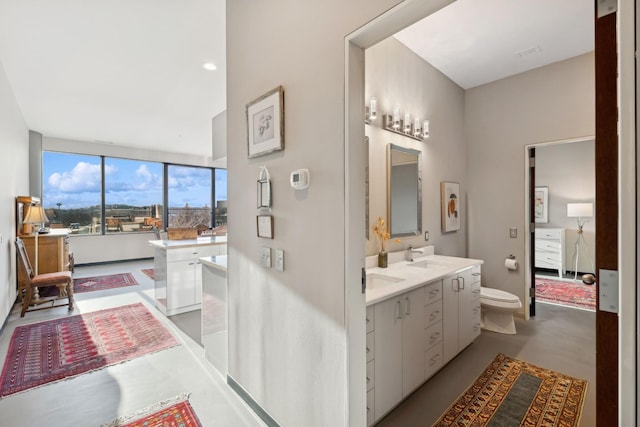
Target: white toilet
[(497, 308)]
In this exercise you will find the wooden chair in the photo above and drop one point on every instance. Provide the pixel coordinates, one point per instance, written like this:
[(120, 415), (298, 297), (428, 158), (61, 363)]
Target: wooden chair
[(61, 279)]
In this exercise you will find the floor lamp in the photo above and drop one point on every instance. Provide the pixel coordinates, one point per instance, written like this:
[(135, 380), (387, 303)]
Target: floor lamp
[(580, 211), (35, 215)]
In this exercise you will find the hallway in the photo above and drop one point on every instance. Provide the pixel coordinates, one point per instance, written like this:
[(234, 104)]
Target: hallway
[(98, 397)]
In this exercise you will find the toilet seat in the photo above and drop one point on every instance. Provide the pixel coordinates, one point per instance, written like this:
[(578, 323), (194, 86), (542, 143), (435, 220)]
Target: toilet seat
[(497, 295)]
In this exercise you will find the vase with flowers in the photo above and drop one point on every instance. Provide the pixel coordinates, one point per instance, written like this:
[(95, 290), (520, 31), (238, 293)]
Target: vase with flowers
[(380, 229)]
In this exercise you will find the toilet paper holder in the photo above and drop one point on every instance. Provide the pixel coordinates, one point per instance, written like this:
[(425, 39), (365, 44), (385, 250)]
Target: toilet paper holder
[(511, 256)]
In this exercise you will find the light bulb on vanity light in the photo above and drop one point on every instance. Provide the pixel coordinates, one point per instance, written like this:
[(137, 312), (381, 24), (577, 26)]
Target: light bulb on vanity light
[(407, 123), (373, 109), (425, 129), (396, 118), (417, 129)]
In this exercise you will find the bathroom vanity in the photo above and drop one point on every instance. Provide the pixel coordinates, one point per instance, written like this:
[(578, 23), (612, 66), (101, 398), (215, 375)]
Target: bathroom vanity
[(420, 314)]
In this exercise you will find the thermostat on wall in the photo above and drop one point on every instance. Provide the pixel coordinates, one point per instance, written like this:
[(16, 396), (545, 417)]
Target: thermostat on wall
[(300, 179)]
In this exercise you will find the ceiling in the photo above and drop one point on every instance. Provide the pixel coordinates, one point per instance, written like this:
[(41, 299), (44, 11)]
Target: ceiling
[(130, 72)]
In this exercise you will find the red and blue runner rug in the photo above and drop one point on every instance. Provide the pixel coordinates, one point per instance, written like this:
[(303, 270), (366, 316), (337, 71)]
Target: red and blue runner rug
[(511, 392), (49, 351), (95, 283)]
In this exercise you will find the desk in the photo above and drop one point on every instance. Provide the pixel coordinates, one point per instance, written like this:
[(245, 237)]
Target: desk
[(178, 271), (53, 253)]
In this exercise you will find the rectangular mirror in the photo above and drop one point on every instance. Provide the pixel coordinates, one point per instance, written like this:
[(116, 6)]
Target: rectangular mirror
[(404, 191)]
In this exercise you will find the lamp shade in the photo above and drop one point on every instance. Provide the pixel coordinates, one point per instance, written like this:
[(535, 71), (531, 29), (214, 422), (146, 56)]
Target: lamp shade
[(35, 215), (579, 210)]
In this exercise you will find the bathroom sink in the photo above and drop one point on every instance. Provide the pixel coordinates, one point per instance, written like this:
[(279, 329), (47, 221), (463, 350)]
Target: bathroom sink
[(377, 281), (427, 263)]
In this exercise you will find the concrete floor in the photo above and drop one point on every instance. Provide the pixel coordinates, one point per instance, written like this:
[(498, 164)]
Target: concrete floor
[(558, 338), (98, 397)]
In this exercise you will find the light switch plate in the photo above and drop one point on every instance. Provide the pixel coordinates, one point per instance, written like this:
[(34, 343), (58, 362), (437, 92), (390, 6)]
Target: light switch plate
[(265, 257), (279, 260), (513, 233), (426, 236)]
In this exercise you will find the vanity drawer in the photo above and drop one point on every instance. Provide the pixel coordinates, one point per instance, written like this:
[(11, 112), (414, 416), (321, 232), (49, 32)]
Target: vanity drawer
[(433, 292), (433, 313), (370, 375), (370, 345), (370, 318), (370, 403), (476, 313), (433, 334), (475, 293), (433, 360)]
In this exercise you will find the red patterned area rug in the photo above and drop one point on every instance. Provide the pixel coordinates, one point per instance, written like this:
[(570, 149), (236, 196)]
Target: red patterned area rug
[(56, 349), (96, 283), (568, 293), (176, 412), (511, 392), (149, 272)]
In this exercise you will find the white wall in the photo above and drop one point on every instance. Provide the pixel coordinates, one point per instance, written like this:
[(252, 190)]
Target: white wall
[(568, 170), (98, 248), (287, 332), (14, 175), (396, 76), (552, 103)]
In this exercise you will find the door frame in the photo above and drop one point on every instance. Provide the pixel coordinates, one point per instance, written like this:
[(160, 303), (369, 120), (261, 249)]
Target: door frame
[(529, 235)]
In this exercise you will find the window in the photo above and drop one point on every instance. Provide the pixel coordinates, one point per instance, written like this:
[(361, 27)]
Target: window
[(99, 195), (189, 195), (132, 195), (71, 191)]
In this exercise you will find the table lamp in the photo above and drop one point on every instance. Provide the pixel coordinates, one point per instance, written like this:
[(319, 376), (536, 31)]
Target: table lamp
[(580, 211)]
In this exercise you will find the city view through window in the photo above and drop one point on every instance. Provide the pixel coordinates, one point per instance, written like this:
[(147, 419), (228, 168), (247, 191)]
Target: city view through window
[(133, 194)]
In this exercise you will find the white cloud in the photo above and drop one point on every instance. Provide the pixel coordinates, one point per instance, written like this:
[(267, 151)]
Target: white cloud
[(84, 177)]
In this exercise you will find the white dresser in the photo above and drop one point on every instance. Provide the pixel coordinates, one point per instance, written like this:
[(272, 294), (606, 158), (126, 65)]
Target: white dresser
[(550, 249)]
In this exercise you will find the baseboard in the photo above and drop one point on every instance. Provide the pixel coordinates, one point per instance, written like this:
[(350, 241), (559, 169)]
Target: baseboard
[(264, 416), (89, 264)]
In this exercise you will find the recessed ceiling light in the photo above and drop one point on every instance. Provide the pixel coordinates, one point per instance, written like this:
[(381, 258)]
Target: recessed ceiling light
[(209, 66)]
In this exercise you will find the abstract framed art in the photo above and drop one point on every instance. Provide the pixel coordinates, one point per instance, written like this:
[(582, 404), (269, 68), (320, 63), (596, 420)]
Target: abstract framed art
[(265, 123), (450, 201), (541, 206)]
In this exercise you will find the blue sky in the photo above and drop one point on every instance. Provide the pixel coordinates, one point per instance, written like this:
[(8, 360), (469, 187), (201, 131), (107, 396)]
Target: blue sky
[(74, 181)]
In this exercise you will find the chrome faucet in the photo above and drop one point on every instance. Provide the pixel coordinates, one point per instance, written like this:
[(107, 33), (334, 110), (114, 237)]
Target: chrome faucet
[(408, 254)]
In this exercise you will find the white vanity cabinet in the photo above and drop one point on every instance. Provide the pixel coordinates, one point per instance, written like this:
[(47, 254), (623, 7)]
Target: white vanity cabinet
[(461, 305), (399, 364)]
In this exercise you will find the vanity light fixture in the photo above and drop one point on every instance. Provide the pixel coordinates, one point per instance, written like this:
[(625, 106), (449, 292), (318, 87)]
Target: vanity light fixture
[(417, 128), (407, 123), (209, 66)]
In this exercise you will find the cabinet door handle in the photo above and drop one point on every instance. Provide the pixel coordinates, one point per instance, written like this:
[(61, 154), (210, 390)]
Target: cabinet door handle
[(434, 315), (368, 380), (434, 337), (434, 359), (461, 278), (368, 349), (399, 309), (455, 288), (476, 274), (434, 292), (408, 309)]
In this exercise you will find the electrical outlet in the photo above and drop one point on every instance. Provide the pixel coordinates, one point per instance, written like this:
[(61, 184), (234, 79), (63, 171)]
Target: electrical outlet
[(265, 257), (279, 260), (513, 233), (426, 236)]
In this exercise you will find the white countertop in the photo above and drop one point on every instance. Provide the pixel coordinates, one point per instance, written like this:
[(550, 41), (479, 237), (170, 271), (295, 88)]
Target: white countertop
[(410, 277), (186, 243), (218, 262)]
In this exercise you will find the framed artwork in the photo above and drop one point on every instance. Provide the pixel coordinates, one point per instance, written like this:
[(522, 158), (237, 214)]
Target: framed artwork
[(450, 201), (265, 123), (265, 226), (541, 204)]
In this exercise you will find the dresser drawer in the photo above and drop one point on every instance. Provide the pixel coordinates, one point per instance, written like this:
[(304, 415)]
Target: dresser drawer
[(546, 260), (548, 245), (370, 403), (433, 292), (432, 313), (542, 233)]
